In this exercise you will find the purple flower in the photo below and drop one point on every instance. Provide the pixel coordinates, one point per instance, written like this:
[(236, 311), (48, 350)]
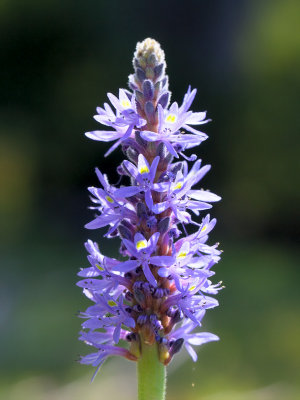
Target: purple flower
[(179, 196), (172, 120), (112, 211), (123, 121), (161, 286), (144, 176), (105, 351), (192, 339), (187, 256), (142, 250)]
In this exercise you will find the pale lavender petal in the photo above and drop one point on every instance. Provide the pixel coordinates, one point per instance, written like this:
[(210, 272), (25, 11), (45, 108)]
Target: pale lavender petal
[(130, 246), (114, 101), (116, 334), (148, 199), (132, 169), (150, 136), (160, 207), (163, 272), (143, 164), (114, 146), (104, 136), (196, 118), (101, 221), (202, 337), (196, 132), (149, 275), (154, 239), (197, 205), (89, 272), (93, 284), (90, 358), (203, 195), (170, 148), (127, 191), (154, 167), (126, 266), (191, 352), (162, 261)]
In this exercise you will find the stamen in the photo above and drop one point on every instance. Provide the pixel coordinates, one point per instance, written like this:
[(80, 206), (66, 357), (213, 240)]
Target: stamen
[(193, 157)]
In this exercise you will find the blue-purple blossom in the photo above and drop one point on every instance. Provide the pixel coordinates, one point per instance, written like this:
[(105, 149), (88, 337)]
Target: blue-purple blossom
[(171, 121), (192, 339), (142, 251), (160, 287), (112, 210), (144, 176), (123, 121)]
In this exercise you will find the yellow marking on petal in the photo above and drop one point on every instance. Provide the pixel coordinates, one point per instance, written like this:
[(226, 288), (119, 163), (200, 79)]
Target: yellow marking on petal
[(111, 303), (181, 254), (204, 228), (141, 244), (192, 288), (99, 267), (125, 103), (178, 186), (171, 118), (144, 169), (109, 199)]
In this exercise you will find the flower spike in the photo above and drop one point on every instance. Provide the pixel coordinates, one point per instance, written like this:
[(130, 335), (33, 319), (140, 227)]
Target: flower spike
[(157, 293)]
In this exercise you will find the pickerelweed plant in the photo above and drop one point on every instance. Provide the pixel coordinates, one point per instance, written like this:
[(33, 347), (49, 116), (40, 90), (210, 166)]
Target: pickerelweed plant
[(150, 303)]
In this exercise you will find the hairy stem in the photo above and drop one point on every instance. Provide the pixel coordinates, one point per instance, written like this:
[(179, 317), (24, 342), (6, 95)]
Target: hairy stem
[(151, 374)]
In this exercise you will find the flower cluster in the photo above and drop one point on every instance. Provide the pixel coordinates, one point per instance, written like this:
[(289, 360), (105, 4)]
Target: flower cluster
[(159, 292)]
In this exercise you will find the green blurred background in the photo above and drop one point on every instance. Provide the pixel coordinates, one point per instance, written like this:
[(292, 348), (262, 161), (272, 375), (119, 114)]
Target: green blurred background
[(58, 60)]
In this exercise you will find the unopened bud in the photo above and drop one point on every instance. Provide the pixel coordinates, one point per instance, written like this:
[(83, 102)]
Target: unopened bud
[(148, 90), (150, 111), (141, 210), (176, 346), (132, 154), (176, 168), (164, 99), (161, 150), (145, 49), (159, 70), (139, 97), (139, 139), (176, 317), (140, 74), (125, 233), (165, 82), (139, 295), (163, 225)]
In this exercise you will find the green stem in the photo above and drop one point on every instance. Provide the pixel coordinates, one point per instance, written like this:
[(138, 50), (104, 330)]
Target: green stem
[(151, 375)]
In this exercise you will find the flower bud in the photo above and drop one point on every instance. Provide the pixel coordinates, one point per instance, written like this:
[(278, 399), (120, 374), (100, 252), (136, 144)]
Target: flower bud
[(124, 232), (176, 346), (164, 99), (148, 90), (150, 111), (163, 225)]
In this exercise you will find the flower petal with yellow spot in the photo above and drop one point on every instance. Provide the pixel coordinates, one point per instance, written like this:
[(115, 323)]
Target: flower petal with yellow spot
[(141, 244), (171, 119)]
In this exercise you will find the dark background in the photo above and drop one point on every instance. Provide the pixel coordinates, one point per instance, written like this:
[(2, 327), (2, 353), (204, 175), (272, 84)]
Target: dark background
[(58, 60)]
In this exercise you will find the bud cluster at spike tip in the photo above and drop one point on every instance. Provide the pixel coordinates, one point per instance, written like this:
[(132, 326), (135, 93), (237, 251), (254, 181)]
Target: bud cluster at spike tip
[(159, 292)]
